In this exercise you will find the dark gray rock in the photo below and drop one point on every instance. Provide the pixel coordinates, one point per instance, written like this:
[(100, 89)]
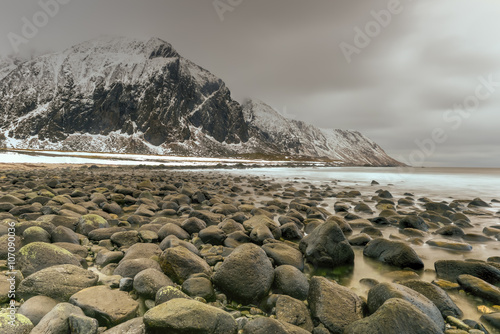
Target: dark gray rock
[(382, 292), (492, 319), (172, 241), (477, 287), (179, 264), (130, 268), (56, 321), (288, 280), (193, 225), (246, 274), (451, 269), (327, 246), (168, 293), (283, 254), (395, 316), (436, 295), (333, 305), (105, 257), (149, 281), (212, 235), (294, 312), (394, 253), (64, 234), (413, 222), (199, 287), (172, 229), (80, 324)]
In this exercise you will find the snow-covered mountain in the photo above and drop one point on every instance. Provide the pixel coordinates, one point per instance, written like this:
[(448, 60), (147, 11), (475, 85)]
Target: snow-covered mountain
[(130, 96), (304, 139), (7, 65)]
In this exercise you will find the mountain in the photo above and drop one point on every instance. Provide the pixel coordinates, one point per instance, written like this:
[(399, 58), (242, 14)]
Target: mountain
[(130, 96), (302, 139), (7, 65)]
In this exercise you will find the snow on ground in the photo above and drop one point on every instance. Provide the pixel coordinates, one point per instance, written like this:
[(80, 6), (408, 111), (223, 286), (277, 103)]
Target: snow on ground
[(57, 157)]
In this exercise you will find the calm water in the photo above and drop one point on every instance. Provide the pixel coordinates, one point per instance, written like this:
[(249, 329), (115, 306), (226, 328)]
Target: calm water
[(439, 182)]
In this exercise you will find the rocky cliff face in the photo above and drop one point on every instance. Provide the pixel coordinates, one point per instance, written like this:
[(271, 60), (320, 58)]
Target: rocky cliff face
[(129, 96)]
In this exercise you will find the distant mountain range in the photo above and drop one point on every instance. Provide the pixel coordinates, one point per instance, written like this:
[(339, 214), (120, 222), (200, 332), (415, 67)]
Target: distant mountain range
[(130, 96)]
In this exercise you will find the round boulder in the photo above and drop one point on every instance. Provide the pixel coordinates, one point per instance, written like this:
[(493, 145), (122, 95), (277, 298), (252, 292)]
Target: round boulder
[(188, 316), (246, 274)]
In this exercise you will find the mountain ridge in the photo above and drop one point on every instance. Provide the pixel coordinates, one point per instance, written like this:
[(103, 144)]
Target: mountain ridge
[(130, 96)]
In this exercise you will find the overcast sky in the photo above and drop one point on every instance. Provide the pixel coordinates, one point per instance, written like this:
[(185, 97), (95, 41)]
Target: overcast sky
[(398, 88)]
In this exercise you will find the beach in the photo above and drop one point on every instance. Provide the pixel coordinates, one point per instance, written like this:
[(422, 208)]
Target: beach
[(150, 249)]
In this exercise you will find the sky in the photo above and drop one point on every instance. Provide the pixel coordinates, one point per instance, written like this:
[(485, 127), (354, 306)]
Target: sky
[(419, 77)]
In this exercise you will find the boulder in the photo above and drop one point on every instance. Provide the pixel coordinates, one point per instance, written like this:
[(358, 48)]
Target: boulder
[(479, 288), (263, 325), (450, 244), (327, 246), (212, 235), (333, 305), (56, 321), (36, 308), (149, 281), (22, 325), (64, 234), (91, 222), (180, 315), (492, 319), (38, 255), (199, 287), (168, 293), (134, 326), (35, 234), (246, 274), (283, 254), (179, 264), (436, 295), (394, 253), (288, 280), (451, 269), (395, 316), (293, 311), (59, 282), (142, 251), (130, 268), (382, 292), (109, 307), (413, 222)]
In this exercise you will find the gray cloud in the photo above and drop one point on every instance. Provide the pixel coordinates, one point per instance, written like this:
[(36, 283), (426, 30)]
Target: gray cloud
[(286, 53)]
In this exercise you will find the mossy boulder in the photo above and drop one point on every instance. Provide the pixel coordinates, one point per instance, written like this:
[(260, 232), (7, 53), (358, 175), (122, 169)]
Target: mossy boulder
[(91, 222), (39, 255), (22, 325)]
